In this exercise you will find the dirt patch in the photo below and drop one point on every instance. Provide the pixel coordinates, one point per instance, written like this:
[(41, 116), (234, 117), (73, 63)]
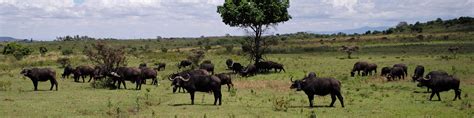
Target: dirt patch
[(277, 85)]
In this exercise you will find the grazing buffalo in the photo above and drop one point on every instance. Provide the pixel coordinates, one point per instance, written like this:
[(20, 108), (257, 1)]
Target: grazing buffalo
[(386, 71), (225, 80), (396, 72), (405, 68), (83, 71), (237, 67), (229, 63), (359, 66), (174, 83), (319, 86), (371, 67), (123, 74), (207, 66), (41, 74), (149, 73), (67, 71), (276, 66), (250, 70), (439, 83), (160, 66), (184, 64), (200, 83), (311, 75), (419, 71), (263, 66)]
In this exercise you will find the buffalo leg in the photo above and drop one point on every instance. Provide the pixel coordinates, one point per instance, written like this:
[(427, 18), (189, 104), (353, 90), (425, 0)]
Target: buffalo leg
[(192, 97), (228, 87), (217, 96), (432, 94), (341, 99), (139, 85), (437, 94), (35, 83), (310, 97), (90, 78), (457, 94), (52, 84), (123, 82), (333, 99)]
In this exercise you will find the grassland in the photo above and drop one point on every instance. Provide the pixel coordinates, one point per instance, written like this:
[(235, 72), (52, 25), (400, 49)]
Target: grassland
[(264, 95)]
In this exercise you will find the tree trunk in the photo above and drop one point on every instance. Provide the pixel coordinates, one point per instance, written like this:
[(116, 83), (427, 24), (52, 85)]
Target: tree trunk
[(257, 49)]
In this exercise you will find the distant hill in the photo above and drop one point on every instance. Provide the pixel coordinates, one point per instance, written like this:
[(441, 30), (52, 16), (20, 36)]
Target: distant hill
[(5, 39), (352, 31)]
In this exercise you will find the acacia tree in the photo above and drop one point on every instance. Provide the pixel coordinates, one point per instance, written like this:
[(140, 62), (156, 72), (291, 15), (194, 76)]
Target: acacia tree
[(349, 50), (256, 15), (106, 56)]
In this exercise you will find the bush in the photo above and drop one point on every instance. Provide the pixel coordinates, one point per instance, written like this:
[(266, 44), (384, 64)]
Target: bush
[(43, 50), (67, 52), (103, 83), (17, 50), (164, 50), (229, 48), (64, 61)]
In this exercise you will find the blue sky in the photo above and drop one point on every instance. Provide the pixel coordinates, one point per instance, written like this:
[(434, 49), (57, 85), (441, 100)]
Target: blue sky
[(46, 19)]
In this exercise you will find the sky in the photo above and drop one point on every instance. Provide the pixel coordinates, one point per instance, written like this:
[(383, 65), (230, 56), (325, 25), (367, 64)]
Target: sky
[(131, 19)]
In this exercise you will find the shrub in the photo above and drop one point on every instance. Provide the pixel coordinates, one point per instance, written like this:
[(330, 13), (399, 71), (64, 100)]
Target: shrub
[(164, 49), (103, 83), (67, 52), (229, 48), (17, 50), (43, 50), (196, 58), (63, 61)]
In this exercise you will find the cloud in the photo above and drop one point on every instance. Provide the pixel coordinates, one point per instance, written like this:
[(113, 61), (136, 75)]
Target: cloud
[(46, 19)]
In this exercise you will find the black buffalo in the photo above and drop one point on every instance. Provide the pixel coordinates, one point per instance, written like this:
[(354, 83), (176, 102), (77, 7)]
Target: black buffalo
[(419, 72), (200, 83), (41, 74), (311, 75), (149, 73), (67, 71), (207, 66), (83, 71), (184, 64), (359, 66), (396, 72), (225, 80), (386, 71), (404, 67), (237, 67), (174, 82), (229, 63), (433, 74), (123, 74), (160, 66), (276, 66), (263, 66), (440, 82), (250, 70), (319, 86), (371, 67)]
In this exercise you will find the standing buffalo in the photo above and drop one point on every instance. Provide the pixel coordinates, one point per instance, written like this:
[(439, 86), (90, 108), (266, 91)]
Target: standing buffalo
[(149, 73), (207, 66), (359, 66), (174, 82), (200, 83), (439, 82), (83, 71), (370, 68), (41, 74), (225, 80), (184, 64), (433, 74), (160, 66), (319, 86), (386, 71), (127, 73), (67, 71), (419, 71), (396, 72), (404, 67), (229, 63), (250, 70), (276, 66), (263, 66), (237, 67)]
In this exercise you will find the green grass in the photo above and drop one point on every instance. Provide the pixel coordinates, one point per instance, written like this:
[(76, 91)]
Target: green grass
[(264, 95)]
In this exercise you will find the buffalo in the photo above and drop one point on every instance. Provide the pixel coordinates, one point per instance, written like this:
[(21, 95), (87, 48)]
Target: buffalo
[(237, 67), (160, 66), (225, 80), (276, 66), (67, 71), (311, 75), (229, 63), (149, 73), (319, 86), (83, 71), (419, 71), (174, 83), (121, 74), (200, 83), (207, 66), (359, 66), (386, 71), (41, 74), (250, 70), (433, 74), (396, 72), (439, 82), (263, 66), (184, 64), (371, 67), (404, 67)]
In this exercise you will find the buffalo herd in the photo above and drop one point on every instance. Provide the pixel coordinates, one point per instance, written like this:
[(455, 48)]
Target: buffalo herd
[(204, 79)]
